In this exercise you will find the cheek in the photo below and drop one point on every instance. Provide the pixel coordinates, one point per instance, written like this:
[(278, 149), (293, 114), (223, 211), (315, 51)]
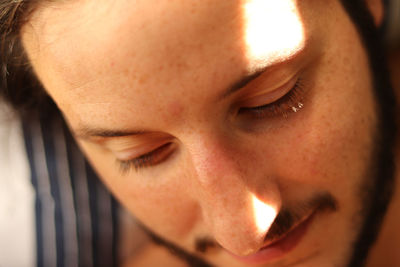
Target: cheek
[(329, 143), (160, 203), (327, 153), (166, 208)]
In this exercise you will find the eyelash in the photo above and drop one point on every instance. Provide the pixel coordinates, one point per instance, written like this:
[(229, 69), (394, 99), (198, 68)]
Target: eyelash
[(291, 102), (152, 158)]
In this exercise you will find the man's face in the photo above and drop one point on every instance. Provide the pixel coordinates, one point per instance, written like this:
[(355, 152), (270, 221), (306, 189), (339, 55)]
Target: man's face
[(245, 123)]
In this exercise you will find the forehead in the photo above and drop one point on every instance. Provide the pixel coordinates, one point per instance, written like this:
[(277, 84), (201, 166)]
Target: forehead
[(97, 55)]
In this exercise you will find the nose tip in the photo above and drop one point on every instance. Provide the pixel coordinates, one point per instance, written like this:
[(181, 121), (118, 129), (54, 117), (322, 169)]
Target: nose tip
[(241, 229), (264, 214)]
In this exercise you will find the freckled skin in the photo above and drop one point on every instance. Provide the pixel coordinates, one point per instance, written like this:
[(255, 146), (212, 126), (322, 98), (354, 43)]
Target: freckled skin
[(162, 67), (174, 110)]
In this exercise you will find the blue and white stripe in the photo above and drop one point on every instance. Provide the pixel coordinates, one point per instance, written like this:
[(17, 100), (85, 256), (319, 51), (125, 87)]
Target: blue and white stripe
[(75, 216)]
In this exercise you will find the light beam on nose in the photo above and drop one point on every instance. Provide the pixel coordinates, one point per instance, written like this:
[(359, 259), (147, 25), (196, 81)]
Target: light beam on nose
[(272, 29), (264, 214)]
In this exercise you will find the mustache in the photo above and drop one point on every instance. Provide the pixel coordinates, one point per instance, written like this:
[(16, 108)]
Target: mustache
[(287, 218)]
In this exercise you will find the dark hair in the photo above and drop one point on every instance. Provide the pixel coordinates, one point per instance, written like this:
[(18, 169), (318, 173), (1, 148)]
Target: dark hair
[(18, 84)]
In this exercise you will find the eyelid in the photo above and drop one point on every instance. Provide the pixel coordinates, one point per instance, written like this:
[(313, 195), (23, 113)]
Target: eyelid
[(291, 102), (154, 157), (266, 96), (125, 142), (138, 150)]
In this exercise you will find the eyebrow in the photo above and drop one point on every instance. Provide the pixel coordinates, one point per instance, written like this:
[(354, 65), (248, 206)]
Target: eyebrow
[(242, 82), (86, 132)]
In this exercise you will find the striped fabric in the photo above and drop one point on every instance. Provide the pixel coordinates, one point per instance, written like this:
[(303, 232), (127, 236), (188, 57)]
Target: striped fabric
[(75, 216)]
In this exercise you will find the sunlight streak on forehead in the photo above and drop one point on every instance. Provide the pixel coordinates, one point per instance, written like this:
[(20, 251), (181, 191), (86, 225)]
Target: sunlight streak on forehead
[(273, 31), (264, 214)]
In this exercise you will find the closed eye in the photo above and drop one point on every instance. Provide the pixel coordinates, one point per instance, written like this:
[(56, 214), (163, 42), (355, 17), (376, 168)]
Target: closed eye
[(291, 102), (154, 157)]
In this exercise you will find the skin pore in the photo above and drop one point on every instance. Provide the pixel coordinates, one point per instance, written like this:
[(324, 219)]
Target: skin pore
[(190, 123)]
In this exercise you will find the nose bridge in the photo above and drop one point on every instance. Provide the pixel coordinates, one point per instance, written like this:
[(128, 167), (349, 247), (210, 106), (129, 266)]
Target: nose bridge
[(213, 158), (223, 193)]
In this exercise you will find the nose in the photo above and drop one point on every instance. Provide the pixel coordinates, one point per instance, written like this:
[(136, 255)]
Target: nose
[(238, 202)]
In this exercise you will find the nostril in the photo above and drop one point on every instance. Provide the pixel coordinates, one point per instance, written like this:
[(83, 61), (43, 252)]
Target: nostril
[(204, 245)]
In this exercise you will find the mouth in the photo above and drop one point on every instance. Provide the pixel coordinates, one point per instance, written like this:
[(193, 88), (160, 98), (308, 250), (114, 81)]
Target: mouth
[(281, 246)]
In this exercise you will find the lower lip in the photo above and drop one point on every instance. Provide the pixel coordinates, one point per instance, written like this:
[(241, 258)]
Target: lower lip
[(279, 248)]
